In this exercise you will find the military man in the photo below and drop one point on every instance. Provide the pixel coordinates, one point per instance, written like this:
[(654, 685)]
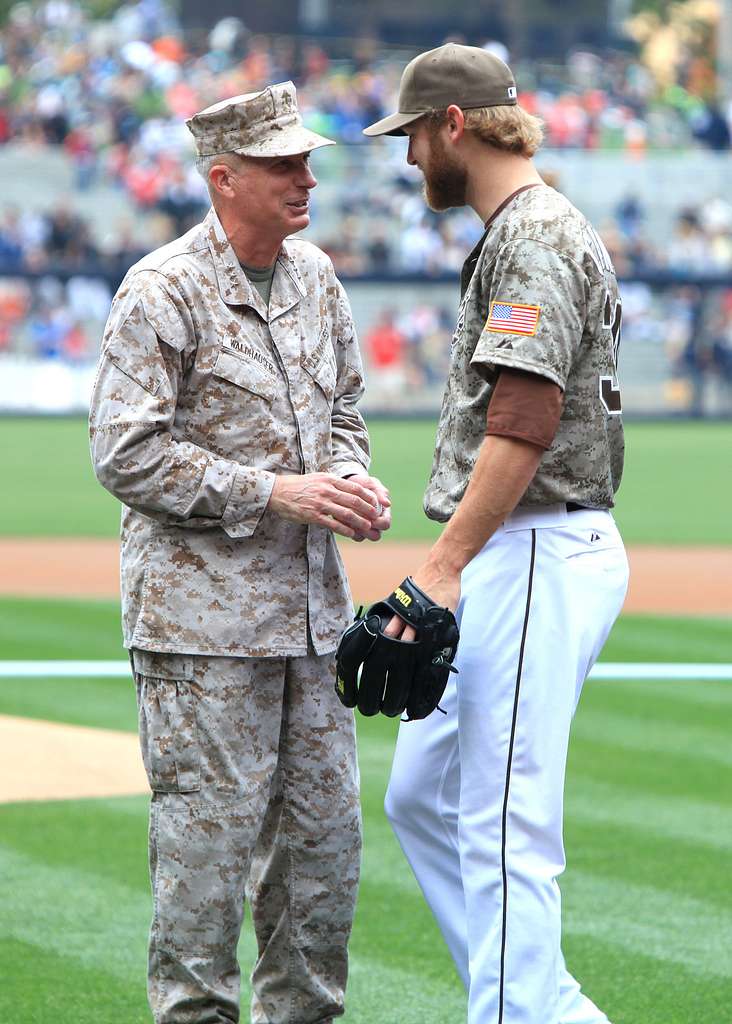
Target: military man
[(224, 419), (528, 458)]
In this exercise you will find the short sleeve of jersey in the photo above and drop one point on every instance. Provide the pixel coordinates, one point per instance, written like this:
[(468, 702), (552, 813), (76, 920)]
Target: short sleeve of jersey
[(537, 306)]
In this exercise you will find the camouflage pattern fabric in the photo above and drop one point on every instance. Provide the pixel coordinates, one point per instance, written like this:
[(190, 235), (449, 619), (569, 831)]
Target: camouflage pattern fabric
[(266, 123), (255, 789), (202, 395), (558, 315)]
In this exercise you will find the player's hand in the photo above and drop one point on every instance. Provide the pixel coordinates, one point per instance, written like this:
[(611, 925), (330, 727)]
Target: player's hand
[(443, 588), (346, 507), (383, 505)]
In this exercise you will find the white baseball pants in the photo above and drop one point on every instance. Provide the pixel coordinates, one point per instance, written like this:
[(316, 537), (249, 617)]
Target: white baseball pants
[(476, 795)]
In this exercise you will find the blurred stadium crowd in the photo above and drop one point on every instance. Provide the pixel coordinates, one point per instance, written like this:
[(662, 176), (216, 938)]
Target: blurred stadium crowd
[(112, 95)]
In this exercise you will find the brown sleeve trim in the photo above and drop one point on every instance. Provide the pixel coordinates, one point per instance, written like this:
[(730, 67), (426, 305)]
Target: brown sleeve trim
[(525, 406)]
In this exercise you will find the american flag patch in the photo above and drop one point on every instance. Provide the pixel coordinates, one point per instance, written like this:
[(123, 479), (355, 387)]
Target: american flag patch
[(512, 318)]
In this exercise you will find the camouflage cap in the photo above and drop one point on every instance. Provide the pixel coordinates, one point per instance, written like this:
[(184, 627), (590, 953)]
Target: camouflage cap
[(265, 123), (467, 76)]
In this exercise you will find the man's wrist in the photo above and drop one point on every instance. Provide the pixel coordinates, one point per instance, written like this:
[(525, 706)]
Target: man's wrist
[(448, 559)]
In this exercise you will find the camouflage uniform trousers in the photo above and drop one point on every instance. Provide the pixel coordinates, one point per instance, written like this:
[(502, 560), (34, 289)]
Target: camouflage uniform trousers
[(253, 769)]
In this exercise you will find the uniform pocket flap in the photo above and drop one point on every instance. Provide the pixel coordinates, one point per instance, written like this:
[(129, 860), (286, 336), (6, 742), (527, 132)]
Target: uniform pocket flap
[(322, 372), (157, 665), (134, 350), (245, 374)]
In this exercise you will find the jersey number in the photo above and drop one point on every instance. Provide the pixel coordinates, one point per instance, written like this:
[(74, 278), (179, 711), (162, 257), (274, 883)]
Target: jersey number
[(609, 389)]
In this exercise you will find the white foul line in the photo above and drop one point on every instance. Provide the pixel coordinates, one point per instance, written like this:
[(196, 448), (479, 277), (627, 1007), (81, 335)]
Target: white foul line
[(603, 670), (65, 669), (663, 670)]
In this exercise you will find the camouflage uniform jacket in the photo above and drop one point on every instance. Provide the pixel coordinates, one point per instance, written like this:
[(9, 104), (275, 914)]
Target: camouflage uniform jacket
[(539, 294), (202, 395)]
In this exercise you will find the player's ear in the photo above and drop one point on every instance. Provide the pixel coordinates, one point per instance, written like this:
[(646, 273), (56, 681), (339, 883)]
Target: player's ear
[(455, 123), (220, 176)]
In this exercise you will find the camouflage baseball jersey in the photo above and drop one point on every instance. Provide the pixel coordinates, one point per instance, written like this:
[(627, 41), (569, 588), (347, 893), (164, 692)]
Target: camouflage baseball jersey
[(538, 294), (202, 395)]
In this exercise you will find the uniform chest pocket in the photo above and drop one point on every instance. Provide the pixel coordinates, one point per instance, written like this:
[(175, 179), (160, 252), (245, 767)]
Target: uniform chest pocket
[(246, 374), (319, 366)]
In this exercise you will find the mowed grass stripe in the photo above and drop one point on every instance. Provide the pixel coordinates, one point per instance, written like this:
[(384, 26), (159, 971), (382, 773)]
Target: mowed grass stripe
[(678, 819), (49, 987), (637, 989), (612, 848), (650, 773), (653, 922), (668, 638), (382, 994), (394, 936), (106, 931), (107, 838), (99, 703), (626, 732), (75, 913), (616, 852), (637, 918), (707, 703), (660, 700), (35, 628), (669, 925)]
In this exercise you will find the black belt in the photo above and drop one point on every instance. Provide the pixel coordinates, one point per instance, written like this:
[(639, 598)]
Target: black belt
[(572, 506)]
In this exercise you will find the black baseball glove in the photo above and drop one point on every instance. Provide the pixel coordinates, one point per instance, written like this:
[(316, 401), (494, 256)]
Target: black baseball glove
[(397, 675)]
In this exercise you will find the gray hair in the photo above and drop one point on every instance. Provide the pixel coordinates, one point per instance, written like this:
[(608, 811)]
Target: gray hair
[(205, 163)]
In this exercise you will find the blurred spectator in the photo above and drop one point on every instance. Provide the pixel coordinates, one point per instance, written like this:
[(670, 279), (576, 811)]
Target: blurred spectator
[(629, 215), (420, 248), (688, 249), (721, 337), (80, 147), (385, 343), (710, 127), (68, 241), (11, 244)]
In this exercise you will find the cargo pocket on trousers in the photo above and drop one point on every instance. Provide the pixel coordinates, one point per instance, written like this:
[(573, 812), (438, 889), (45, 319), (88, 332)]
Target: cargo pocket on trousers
[(167, 721)]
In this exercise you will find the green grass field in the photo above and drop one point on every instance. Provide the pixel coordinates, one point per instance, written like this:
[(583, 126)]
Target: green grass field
[(647, 904), (648, 910), (677, 487)]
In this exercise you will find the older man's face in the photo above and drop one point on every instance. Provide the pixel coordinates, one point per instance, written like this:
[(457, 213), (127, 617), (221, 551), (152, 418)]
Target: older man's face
[(273, 192)]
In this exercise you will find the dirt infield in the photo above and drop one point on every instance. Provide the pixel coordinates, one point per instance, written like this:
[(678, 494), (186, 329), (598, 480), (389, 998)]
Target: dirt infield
[(664, 581), (66, 762)]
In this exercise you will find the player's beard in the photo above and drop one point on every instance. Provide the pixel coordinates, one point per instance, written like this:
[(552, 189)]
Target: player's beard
[(445, 180)]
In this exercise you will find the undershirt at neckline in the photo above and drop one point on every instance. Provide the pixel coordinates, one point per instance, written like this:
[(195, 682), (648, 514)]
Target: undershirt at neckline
[(261, 278)]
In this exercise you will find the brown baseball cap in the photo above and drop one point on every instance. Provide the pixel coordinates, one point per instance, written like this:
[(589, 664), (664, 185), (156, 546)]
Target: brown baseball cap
[(464, 75), (266, 123)]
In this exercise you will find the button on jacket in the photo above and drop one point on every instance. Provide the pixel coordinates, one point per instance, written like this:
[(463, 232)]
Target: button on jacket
[(201, 397)]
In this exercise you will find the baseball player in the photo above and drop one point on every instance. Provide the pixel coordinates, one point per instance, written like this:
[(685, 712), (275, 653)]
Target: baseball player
[(224, 418), (528, 456)]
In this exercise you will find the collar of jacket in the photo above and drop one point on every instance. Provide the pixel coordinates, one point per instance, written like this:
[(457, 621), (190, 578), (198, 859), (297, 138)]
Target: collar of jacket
[(287, 285)]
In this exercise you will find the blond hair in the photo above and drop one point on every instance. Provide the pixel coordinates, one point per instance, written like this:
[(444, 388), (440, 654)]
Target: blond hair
[(510, 128)]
